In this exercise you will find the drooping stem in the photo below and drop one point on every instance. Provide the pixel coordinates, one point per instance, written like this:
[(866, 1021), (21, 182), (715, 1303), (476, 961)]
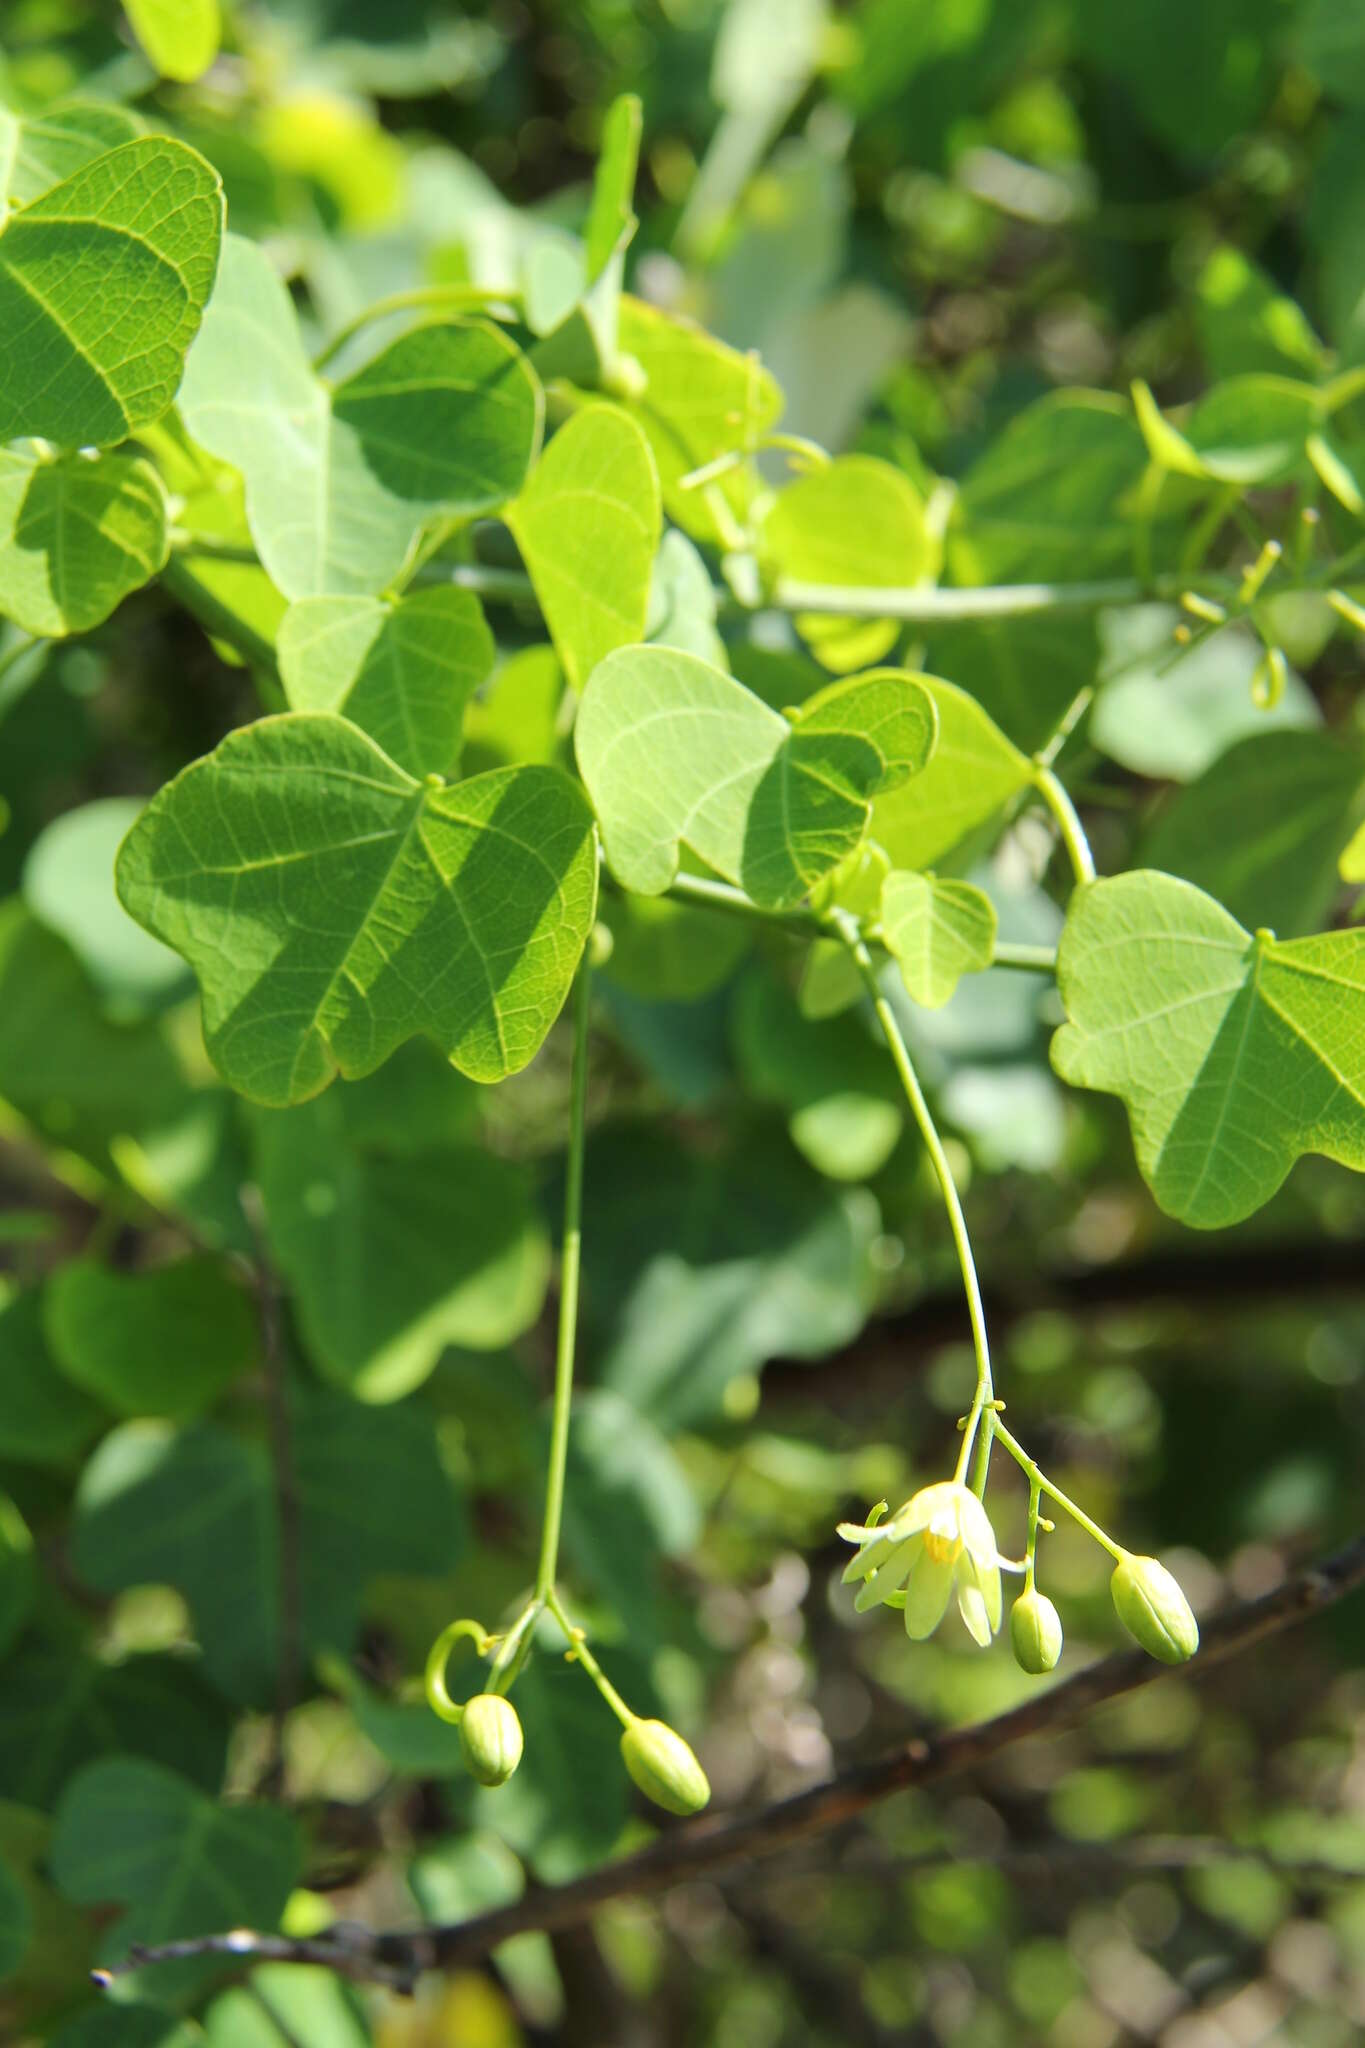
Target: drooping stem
[(578, 1649), (1068, 822), (1039, 1479), (458, 298), (957, 1222), (570, 1257)]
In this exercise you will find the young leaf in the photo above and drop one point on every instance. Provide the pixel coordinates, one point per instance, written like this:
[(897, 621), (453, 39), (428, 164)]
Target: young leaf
[(974, 771), (403, 671), (444, 422), (76, 536), (179, 36), (673, 753), (103, 282), (856, 521), (1233, 1055), (588, 527), (391, 1255), (332, 906), (937, 931), (163, 1342), (701, 400), (130, 1830), (611, 217)]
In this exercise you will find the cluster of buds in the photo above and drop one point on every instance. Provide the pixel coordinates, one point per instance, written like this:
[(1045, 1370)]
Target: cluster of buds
[(940, 1545)]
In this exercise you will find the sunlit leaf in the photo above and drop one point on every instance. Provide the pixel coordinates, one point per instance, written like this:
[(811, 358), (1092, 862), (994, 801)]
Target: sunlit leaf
[(180, 36), (76, 536), (1233, 1054), (936, 931), (973, 772), (103, 282), (333, 906), (674, 753)]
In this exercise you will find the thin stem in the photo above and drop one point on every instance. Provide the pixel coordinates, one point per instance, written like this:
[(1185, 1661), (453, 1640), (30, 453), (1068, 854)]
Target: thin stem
[(578, 1649), (933, 1144), (458, 297), (216, 617), (570, 1257), (1038, 1477), (1068, 822)]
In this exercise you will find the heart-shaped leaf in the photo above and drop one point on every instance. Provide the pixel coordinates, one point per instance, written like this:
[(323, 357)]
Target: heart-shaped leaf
[(163, 1342), (588, 527), (103, 282), (333, 906), (674, 753), (403, 672), (444, 422), (130, 1830), (42, 149), (1233, 1054), (936, 931), (974, 770), (76, 536)]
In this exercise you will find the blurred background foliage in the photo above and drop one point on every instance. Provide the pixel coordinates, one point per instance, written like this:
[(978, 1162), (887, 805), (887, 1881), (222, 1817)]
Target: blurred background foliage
[(925, 214)]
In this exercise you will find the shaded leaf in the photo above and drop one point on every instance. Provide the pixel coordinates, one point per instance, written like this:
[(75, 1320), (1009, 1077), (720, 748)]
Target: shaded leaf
[(18, 1573), (162, 1342), (936, 931), (103, 282), (76, 536), (833, 1080), (44, 1420), (332, 906), (674, 752), (403, 671), (59, 1708), (1233, 1055), (16, 1922), (588, 528)]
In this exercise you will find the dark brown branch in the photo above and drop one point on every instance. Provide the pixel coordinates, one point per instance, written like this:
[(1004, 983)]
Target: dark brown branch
[(701, 1847)]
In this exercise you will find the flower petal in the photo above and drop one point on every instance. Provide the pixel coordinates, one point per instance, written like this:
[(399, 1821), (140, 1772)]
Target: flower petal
[(926, 1595), (972, 1607), (890, 1578), (977, 1534)]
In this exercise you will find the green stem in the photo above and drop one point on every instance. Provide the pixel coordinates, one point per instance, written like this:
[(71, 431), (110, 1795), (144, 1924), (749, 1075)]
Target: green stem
[(217, 618), (1068, 822), (570, 1257), (1037, 1477), (457, 297), (578, 1648), (957, 1222)]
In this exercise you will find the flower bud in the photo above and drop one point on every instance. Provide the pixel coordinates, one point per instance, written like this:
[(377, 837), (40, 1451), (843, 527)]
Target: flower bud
[(1035, 1632), (1153, 1609), (663, 1767), (490, 1736)]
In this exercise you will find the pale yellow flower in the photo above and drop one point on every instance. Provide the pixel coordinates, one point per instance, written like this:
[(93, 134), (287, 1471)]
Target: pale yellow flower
[(940, 1543)]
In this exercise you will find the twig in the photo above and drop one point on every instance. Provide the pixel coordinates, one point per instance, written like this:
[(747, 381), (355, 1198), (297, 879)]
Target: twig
[(709, 1844), (290, 1633)]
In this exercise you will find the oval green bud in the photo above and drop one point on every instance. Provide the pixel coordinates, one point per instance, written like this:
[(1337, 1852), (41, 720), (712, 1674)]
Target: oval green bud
[(1035, 1633), (490, 1736), (664, 1768), (1153, 1609)]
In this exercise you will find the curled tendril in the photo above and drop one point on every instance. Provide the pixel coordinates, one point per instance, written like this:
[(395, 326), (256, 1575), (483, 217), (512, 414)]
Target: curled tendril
[(435, 1677)]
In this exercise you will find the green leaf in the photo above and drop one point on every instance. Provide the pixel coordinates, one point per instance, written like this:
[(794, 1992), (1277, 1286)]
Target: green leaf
[(517, 718), (42, 149), (339, 484), (464, 1874), (59, 1708), (1263, 829), (628, 1503), (103, 282), (832, 1079), (130, 1830), (76, 536), (159, 1506), (1170, 714), (859, 522), (393, 1254), (1248, 431), (57, 1952), (69, 884), (1244, 324), (122, 2024), (163, 1342), (18, 1573), (16, 1922), (179, 36), (44, 1420), (973, 772), (284, 2006), (1047, 498), (332, 906), (701, 400), (682, 601), (611, 218), (936, 931), (670, 952), (1233, 1055), (588, 528), (673, 753), (403, 672), (1024, 673)]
